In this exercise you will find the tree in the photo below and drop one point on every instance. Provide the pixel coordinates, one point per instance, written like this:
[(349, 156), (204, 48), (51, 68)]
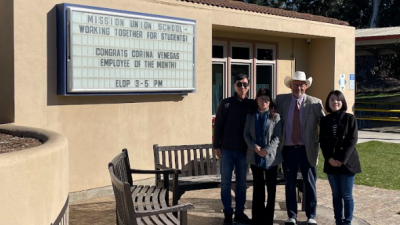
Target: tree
[(360, 14), (374, 16)]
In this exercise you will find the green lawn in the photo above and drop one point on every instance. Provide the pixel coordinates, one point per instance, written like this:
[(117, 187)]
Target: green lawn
[(378, 97), (380, 163)]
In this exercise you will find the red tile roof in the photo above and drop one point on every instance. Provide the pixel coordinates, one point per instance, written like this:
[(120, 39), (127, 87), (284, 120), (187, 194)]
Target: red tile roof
[(239, 5)]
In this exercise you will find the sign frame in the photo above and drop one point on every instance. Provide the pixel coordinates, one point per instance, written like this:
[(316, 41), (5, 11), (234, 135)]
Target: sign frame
[(64, 68)]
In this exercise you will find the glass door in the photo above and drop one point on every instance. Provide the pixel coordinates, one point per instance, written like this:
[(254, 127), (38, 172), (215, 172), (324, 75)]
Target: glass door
[(239, 69), (264, 77), (218, 71)]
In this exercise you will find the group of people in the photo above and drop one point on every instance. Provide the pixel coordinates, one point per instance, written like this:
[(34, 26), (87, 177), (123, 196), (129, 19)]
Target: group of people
[(264, 134)]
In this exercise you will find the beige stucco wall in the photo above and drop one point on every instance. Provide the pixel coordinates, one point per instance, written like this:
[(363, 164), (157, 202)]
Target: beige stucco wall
[(6, 62), (321, 66), (98, 127), (345, 64), (34, 182)]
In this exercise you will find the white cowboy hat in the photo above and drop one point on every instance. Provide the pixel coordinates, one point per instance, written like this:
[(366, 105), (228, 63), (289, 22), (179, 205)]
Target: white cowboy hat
[(298, 75)]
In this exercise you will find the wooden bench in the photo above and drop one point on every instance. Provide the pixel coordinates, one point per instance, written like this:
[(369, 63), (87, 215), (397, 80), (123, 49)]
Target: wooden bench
[(197, 167), (142, 204)]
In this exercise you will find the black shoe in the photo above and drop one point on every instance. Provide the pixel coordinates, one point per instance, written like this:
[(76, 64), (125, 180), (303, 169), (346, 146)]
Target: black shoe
[(228, 219), (242, 218)]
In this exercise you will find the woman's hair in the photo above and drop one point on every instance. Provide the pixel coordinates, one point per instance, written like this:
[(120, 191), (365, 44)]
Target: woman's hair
[(340, 95), (265, 92)]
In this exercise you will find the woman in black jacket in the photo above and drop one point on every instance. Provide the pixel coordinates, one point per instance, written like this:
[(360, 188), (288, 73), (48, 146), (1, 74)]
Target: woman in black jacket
[(338, 139)]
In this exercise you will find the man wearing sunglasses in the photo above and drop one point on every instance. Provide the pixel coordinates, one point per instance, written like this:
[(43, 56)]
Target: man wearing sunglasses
[(231, 148), (300, 115)]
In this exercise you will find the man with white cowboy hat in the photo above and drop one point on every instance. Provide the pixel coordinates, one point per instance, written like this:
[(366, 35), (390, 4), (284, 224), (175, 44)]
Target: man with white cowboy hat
[(300, 115)]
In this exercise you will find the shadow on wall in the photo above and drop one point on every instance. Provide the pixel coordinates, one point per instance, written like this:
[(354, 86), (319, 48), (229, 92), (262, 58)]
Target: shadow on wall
[(54, 99)]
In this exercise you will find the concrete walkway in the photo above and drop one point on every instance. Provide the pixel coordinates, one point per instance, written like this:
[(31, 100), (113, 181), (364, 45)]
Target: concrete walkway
[(372, 205), (365, 136)]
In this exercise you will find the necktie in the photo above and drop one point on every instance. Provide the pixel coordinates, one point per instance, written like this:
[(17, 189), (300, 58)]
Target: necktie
[(296, 124)]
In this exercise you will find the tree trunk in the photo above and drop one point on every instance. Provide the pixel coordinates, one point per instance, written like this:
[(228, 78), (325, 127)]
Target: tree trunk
[(374, 16)]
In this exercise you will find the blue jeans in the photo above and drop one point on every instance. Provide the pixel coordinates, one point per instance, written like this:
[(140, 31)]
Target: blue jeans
[(230, 160), (342, 195), (293, 158)]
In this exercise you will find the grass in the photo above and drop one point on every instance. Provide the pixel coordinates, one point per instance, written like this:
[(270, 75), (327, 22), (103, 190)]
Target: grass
[(378, 96), (380, 163)]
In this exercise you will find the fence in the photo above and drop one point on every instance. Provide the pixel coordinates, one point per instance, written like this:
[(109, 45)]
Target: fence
[(376, 111)]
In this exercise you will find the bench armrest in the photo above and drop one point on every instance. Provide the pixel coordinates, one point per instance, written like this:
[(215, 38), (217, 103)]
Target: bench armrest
[(175, 208), (168, 171), (162, 167)]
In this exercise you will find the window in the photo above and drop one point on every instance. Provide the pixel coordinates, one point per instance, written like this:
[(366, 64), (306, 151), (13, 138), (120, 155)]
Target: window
[(256, 60), (217, 85)]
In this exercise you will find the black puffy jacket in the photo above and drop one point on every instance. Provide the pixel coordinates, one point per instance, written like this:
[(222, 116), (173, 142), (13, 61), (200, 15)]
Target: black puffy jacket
[(229, 123)]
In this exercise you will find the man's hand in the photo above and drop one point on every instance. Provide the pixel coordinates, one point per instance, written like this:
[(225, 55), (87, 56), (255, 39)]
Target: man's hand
[(218, 153)]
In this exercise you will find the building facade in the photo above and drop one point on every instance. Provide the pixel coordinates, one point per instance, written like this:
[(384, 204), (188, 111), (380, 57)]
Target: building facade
[(231, 37)]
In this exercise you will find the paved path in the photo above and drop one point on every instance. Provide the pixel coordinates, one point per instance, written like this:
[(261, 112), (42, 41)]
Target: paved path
[(365, 136), (372, 205)]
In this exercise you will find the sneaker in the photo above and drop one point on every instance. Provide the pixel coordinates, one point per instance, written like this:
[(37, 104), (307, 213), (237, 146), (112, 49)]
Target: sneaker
[(228, 219), (243, 218), (311, 221), (290, 221)]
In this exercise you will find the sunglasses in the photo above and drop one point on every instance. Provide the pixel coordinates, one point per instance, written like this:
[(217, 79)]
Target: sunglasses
[(240, 84)]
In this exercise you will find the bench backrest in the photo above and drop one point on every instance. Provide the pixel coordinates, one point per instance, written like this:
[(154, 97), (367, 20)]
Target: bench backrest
[(193, 160), (123, 200), (121, 167)]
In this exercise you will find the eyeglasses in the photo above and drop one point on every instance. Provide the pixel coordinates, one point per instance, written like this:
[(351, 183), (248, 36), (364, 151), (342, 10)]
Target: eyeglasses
[(240, 84), (298, 85), (263, 99)]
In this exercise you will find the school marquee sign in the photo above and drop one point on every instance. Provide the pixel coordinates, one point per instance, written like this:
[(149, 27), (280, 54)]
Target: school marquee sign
[(105, 51)]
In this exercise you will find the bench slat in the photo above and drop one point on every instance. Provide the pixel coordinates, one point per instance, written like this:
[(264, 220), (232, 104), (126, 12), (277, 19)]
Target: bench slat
[(182, 158), (202, 172), (196, 167), (156, 203), (140, 200), (149, 205), (208, 161), (163, 158), (172, 220), (176, 159), (190, 173), (170, 158)]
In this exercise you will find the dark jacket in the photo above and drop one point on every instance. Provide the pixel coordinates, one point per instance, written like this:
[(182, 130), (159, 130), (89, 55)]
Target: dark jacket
[(343, 146), (229, 123)]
